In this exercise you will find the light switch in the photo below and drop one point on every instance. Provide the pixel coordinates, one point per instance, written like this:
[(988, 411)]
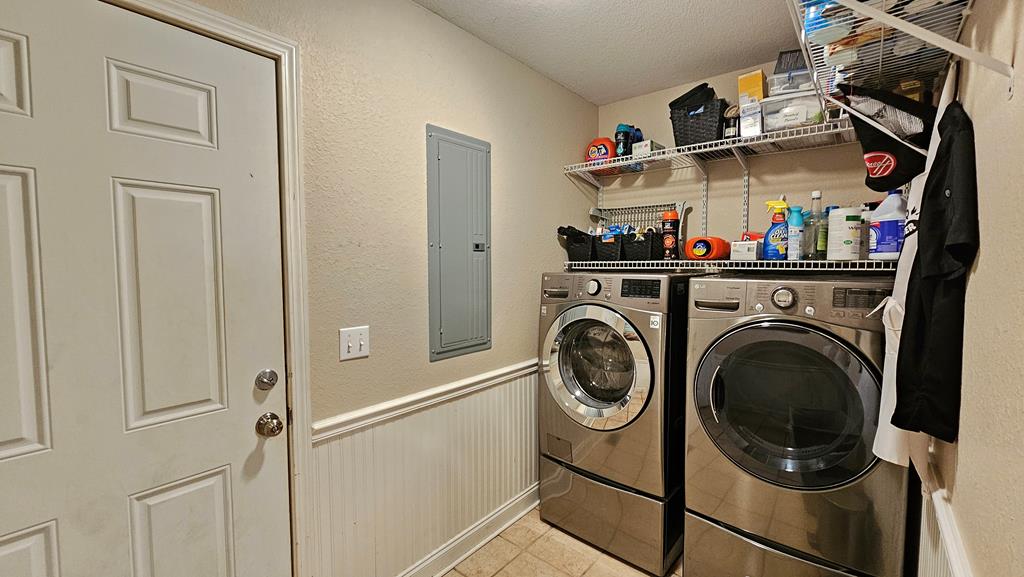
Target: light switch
[(354, 343)]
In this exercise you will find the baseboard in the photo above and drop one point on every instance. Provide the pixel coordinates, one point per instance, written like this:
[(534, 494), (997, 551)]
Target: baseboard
[(345, 423), (463, 545)]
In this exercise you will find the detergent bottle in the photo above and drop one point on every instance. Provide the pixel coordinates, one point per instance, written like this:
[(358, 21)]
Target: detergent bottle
[(776, 238)]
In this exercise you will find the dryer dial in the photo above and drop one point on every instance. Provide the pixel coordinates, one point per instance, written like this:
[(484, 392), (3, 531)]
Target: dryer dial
[(593, 287), (784, 298)]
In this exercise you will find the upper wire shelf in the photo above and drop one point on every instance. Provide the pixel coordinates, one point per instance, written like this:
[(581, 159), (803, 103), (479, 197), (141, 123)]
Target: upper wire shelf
[(600, 172), (844, 45), (878, 266)]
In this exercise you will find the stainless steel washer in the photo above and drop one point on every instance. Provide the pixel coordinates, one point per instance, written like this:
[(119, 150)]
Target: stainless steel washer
[(783, 388), (611, 412)]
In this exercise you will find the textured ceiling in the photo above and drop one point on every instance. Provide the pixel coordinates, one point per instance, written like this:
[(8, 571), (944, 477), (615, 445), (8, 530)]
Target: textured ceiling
[(607, 50)]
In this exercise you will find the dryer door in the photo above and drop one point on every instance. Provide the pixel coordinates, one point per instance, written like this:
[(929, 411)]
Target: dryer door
[(598, 368), (790, 404)]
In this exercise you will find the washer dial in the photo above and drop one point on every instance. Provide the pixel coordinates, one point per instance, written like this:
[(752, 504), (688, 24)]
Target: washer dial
[(593, 287)]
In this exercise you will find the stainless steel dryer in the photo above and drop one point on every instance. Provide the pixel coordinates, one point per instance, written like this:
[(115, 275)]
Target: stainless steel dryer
[(783, 388), (611, 412)]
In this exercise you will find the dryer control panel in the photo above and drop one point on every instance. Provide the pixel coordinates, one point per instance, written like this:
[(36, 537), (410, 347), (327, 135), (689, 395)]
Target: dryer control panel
[(844, 301)]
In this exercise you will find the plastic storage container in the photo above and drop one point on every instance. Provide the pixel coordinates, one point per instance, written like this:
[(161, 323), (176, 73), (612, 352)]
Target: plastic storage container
[(790, 82), (647, 246), (791, 111), (608, 247)]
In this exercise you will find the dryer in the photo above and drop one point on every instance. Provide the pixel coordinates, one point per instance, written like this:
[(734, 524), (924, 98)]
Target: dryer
[(610, 410), (784, 389)]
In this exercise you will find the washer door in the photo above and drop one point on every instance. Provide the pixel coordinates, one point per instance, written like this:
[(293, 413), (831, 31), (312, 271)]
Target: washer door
[(598, 367), (789, 404)]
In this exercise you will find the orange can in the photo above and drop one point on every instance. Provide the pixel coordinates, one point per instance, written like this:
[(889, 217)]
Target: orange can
[(708, 248)]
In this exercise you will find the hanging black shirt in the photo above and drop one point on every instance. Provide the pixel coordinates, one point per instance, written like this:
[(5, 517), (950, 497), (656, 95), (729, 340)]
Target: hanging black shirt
[(930, 362)]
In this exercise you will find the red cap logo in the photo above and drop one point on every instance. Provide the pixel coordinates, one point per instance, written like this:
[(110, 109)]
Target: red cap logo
[(880, 164)]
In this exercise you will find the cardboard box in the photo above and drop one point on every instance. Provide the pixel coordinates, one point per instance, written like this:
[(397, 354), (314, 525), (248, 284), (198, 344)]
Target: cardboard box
[(747, 250), (753, 87), (644, 148), (750, 120)]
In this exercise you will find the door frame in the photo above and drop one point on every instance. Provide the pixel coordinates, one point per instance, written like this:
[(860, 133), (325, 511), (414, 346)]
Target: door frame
[(285, 53)]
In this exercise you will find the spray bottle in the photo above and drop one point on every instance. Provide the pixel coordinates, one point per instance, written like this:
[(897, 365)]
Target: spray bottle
[(795, 251), (776, 238)]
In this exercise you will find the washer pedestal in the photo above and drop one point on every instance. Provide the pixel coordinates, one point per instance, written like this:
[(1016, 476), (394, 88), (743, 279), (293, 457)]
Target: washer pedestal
[(640, 530)]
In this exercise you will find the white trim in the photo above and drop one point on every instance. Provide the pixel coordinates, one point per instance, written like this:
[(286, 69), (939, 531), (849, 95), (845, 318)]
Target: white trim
[(326, 429), (285, 53), (446, 557), (951, 540)]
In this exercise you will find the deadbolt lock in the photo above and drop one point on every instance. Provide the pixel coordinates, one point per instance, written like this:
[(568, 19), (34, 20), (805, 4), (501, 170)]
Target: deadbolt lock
[(266, 379)]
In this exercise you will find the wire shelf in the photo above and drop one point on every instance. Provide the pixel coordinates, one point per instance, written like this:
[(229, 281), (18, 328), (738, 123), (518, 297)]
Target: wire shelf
[(876, 266), (887, 57), (826, 135), (640, 216)]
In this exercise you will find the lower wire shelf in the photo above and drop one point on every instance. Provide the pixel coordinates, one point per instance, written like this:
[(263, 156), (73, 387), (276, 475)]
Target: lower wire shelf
[(877, 266)]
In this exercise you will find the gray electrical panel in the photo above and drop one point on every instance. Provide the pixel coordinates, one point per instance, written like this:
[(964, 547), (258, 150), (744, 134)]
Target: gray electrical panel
[(459, 243)]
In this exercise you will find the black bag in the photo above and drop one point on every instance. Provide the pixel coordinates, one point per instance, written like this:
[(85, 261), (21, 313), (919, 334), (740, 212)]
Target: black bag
[(890, 163)]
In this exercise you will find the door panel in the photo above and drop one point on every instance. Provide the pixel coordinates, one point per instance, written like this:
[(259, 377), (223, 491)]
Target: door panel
[(154, 156), (171, 332), (24, 407)]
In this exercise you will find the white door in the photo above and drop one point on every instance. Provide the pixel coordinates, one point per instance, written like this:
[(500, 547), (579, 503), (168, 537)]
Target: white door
[(140, 296)]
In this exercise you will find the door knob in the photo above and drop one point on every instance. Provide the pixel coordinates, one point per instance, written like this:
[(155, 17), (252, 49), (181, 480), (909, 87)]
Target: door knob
[(269, 425), (266, 379)]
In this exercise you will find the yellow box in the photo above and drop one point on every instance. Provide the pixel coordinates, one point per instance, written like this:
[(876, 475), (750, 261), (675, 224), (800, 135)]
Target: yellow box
[(753, 87)]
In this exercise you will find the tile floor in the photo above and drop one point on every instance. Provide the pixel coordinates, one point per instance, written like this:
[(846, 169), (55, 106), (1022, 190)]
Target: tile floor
[(532, 548)]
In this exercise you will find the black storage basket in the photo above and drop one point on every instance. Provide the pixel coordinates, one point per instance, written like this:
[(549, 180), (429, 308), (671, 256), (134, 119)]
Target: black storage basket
[(579, 247), (608, 250), (649, 248), (696, 123)]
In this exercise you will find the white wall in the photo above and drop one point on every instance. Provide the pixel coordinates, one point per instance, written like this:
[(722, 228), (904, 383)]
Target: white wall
[(984, 471), (375, 72), (838, 172)]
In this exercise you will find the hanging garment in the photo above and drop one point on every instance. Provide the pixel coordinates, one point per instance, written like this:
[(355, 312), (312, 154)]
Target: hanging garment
[(893, 443), (930, 365)]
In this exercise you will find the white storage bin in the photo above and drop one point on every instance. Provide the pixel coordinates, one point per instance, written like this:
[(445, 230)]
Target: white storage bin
[(790, 82), (791, 111)]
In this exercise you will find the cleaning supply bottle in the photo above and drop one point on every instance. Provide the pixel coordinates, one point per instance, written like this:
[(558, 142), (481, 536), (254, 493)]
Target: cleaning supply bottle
[(776, 238), (816, 230), (624, 139), (670, 234), (886, 235), (795, 247)]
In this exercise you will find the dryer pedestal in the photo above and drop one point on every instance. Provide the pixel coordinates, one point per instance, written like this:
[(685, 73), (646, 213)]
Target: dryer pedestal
[(640, 530), (716, 551)]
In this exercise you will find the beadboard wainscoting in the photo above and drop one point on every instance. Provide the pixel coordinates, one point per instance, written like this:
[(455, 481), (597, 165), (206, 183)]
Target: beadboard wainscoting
[(410, 487), (942, 550)]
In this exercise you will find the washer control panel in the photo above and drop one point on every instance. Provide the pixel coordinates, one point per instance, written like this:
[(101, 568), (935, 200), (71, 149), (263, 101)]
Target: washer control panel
[(647, 292)]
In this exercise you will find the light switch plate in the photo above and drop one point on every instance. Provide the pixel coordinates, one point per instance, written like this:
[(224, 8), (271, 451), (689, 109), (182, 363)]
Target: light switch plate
[(354, 343)]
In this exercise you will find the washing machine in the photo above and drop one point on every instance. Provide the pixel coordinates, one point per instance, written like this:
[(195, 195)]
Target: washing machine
[(610, 412), (783, 394)]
